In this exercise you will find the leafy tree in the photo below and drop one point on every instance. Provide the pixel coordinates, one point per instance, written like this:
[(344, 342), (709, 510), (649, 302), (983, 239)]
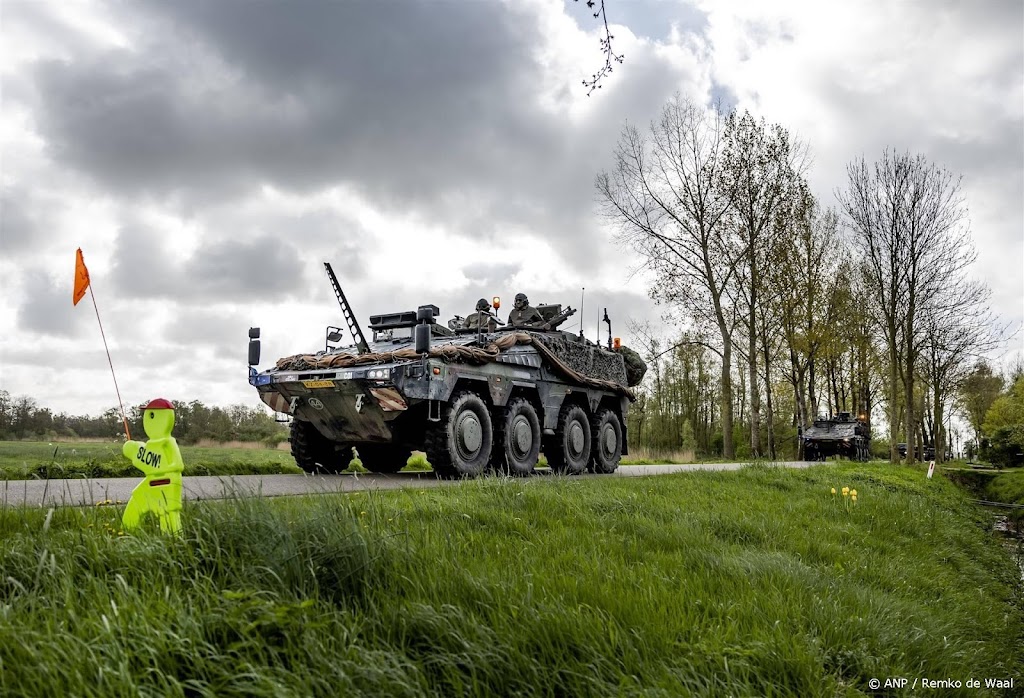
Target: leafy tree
[(978, 392), (1004, 423)]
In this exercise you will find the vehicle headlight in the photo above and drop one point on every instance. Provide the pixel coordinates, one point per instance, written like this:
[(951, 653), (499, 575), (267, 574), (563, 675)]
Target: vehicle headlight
[(378, 373)]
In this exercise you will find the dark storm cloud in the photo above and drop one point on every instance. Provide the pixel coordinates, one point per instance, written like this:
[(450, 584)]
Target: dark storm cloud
[(259, 268), (401, 98), (322, 235), (48, 310), (418, 105)]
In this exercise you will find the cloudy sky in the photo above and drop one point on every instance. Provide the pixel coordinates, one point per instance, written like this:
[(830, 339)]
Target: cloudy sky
[(209, 156)]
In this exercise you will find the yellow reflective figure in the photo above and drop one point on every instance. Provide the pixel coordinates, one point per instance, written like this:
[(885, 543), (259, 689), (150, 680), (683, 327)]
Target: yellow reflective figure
[(160, 459)]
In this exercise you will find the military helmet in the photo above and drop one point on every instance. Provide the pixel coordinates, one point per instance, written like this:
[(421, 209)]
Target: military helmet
[(482, 304), (521, 300)]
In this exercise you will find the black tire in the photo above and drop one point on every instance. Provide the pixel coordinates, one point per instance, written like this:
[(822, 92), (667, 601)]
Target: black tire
[(312, 451), (382, 458), (606, 442), (569, 451), (517, 438), (460, 444)]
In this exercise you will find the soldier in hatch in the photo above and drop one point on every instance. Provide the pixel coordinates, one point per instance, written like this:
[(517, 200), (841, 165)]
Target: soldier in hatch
[(524, 315), (482, 317)]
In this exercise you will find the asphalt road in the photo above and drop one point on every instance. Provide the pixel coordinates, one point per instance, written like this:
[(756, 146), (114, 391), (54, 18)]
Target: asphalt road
[(82, 492)]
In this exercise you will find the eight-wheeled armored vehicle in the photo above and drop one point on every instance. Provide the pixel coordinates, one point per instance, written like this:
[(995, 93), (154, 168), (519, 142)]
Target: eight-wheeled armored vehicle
[(470, 399), (841, 435)]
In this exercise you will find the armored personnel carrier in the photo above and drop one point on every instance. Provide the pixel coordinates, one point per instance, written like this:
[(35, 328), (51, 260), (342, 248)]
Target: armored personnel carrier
[(841, 435), (470, 399)]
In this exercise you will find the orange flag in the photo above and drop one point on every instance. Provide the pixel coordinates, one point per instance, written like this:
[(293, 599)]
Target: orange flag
[(81, 277)]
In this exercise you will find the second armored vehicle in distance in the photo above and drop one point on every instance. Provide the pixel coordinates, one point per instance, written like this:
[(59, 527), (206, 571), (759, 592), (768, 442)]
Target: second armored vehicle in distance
[(842, 435)]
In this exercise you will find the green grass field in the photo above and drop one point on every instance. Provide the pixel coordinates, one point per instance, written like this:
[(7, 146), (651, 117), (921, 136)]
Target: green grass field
[(21, 460), (750, 583)]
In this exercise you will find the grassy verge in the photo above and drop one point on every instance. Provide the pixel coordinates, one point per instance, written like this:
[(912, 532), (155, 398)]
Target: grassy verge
[(20, 460), (756, 582), (1006, 486)]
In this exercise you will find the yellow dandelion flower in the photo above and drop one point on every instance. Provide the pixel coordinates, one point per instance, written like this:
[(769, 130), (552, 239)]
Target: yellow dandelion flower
[(853, 493), (846, 491), (833, 490)]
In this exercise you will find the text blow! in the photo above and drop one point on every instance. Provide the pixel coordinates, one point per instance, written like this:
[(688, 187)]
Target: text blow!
[(148, 457)]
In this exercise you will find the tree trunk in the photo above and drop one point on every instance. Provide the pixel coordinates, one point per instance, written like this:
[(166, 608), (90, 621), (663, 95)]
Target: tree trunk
[(909, 421), (894, 397), (801, 400), (812, 396), (755, 395), (728, 449), (768, 396)]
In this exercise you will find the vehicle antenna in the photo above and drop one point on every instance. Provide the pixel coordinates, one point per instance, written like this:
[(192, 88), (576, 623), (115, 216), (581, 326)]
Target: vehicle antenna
[(583, 290)]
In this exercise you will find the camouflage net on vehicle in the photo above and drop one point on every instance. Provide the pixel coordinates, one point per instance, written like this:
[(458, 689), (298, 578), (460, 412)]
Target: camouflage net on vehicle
[(481, 355)]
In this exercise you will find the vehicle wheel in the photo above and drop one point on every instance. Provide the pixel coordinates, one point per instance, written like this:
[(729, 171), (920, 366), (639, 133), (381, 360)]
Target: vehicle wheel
[(606, 446), (517, 438), (460, 444), (569, 451), (382, 458), (312, 451)]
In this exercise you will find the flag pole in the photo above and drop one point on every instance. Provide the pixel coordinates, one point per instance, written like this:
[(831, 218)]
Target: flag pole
[(124, 419)]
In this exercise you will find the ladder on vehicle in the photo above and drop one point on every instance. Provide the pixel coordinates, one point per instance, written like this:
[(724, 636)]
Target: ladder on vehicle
[(346, 311)]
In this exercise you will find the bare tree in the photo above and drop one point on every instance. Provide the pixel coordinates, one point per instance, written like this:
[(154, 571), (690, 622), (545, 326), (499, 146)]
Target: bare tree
[(762, 166), (908, 219), (669, 201), (959, 327)]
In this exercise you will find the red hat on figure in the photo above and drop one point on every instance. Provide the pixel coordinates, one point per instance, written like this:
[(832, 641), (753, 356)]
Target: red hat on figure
[(159, 404)]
